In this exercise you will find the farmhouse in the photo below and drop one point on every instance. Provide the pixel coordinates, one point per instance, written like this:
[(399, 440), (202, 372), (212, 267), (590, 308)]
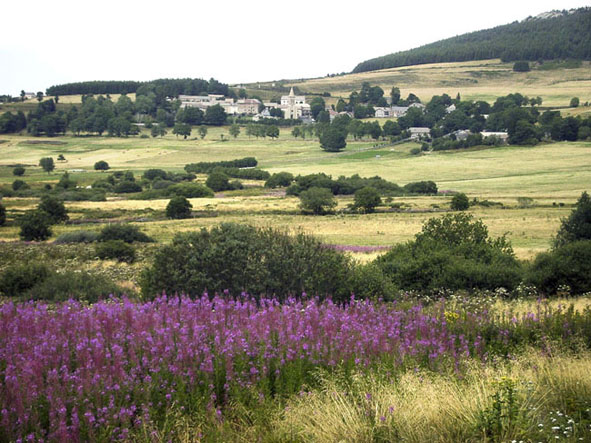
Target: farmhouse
[(398, 111), (418, 132), (383, 112), (503, 136)]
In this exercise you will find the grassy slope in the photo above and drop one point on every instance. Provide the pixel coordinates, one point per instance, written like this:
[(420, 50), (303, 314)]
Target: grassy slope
[(476, 80)]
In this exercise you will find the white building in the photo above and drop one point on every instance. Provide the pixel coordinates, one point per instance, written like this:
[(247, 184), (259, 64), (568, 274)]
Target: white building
[(504, 136), (294, 106), (418, 132)]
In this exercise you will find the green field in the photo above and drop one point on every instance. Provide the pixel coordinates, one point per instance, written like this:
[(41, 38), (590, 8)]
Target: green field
[(553, 175)]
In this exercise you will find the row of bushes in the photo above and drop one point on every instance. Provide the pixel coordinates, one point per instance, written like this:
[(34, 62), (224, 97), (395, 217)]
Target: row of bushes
[(349, 185), (206, 167)]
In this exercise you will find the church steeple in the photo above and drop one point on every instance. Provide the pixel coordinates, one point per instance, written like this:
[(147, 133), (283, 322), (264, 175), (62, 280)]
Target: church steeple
[(291, 94)]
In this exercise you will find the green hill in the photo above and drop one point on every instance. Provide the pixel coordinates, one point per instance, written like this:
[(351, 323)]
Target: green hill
[(548, 36)]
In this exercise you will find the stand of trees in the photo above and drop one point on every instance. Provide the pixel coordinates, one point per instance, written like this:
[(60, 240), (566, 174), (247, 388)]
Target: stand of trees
[(562, 37)]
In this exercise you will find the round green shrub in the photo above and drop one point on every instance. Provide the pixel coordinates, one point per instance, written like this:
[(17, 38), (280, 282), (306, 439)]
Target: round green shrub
[(122, 231), (460, 202), (2, 214), (115, 250), (54, 208), (218, 181), (179, 207), (16, 280), (243, 258), (19, 185), (367, 199), (317, 200), (77, 237), (19, 171), (190, 190), (568, 265), (35, 226)]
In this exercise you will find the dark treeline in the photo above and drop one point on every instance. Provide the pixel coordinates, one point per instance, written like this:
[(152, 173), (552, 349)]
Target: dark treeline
[(166, 87), (562, 37), (95, 87)]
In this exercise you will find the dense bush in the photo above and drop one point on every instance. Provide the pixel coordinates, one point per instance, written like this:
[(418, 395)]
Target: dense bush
[(16, 280), (247, 174), (521, 66), (115, 250), (566, 266), (19, 171), (179, 207), (460, 202), (2, 214), (317, 200), (577, 226), (127, 187), (243, 258), (452, 252), (20, 185), (279, 179), (77, 237), (218, 181), (101, 165), (367, 199), (127, 233), (84, 286), (206, 167), (368, 281), (54, 208), (35, 226), (422, 187), (189, 190), (153, 174)]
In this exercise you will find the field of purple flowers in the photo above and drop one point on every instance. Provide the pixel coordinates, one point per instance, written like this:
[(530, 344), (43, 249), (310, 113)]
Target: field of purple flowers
[(74, 372)]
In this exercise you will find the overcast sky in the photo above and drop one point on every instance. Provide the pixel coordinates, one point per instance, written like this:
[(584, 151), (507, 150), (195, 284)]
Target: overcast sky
[(43, 42)]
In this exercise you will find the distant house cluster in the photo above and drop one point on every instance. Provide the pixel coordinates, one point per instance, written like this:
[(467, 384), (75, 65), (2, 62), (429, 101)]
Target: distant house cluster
[(395, 111), (293, 106)]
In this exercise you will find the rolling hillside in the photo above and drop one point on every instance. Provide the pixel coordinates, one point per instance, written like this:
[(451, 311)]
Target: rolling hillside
[(548, 36)]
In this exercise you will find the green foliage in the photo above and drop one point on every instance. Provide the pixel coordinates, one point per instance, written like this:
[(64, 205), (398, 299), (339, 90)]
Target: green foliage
[(235, 130), (2, 215), (34, 226), (101, 165), (190, 190), (178, 207), (207, 167), (562, 37), (567, 266), (577, 226), (82, 286), (81, 236), (66, 182), (367, 199), (54, 208), (574, 102), (47, 164), (115, 250), (368, 281), (521, 66), (242, 258), (333, 139), (183, 129), (215, 115), (317, 200), (218, 181), (452, 252), (20, 185), (127, 233), (19, 171), (16, 280), (422, 187), (460, 202), (279, 179), (127, 187)]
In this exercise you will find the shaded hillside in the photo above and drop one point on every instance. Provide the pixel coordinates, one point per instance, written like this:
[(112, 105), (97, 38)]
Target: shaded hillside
[(555, 35)]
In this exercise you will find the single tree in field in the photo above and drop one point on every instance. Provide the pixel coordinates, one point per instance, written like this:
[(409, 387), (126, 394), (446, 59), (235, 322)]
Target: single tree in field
[(54, 208), (35, 226), (234, 130), (367, 199), (101, 165), (460, 202), (158, 130), (2, 214), (23, 93), (179, 207), (272, 131), (39, 96), (202, 131), (47, 164), (574, 102), (183, 129), (332, 139), (317, 200)]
